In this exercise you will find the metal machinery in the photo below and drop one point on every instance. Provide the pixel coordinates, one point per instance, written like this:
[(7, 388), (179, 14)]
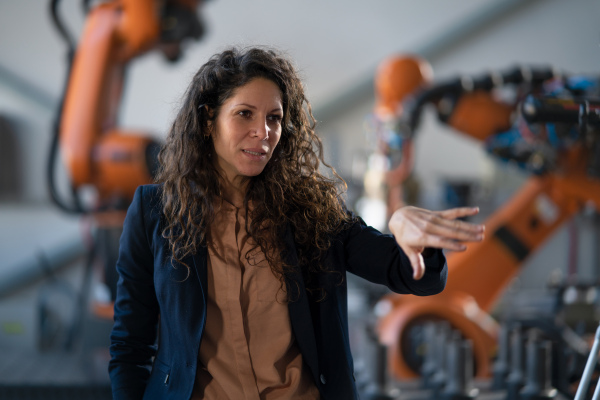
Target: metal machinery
[(96, 151), (549, 128)]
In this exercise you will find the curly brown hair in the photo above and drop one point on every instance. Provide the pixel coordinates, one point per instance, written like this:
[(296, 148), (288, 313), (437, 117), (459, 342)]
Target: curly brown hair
[(291, 191)]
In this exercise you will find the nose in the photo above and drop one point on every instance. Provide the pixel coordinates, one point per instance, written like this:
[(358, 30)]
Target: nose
[(261, 129)]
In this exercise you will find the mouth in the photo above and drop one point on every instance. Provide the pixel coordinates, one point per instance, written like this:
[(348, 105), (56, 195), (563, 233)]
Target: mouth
[(254, 153)]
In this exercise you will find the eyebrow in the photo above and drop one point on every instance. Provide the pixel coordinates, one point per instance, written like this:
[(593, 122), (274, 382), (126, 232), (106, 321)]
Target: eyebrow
[(254, 108)]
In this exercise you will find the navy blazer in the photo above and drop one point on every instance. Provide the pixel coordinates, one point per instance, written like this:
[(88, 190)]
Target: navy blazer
[(154, 299)]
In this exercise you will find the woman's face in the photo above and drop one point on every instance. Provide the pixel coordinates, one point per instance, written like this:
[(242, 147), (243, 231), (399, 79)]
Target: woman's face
[(248, 129)]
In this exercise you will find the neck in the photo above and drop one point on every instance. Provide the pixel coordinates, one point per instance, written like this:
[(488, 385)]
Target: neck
[(234, 191)]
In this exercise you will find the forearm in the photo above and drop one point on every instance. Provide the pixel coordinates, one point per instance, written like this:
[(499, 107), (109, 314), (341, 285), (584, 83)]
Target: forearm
[(378, 258)]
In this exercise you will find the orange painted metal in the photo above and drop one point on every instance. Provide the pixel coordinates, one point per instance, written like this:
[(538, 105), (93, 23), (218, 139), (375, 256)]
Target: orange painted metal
[(85, 109), (532, 215), (478, 277), (120, 160), (458, 309), (480, 115), (485, 269), (394, 178), (139, 26), (93, 150), (103, 310), (398, 77)]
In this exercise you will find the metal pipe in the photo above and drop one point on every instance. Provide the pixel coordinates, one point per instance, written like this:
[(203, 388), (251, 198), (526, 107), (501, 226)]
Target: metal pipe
[(27, 89), (589, 369), (43, 264)]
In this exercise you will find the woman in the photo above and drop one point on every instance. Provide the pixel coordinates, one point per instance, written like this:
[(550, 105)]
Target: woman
[(236, 260)]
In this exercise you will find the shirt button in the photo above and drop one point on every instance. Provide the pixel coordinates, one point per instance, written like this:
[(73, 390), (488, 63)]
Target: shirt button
[(323, 380)]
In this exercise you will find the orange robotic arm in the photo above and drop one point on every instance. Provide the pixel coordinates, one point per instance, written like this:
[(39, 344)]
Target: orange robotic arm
[(478, 276), (95, 151), (396, 79), (403, 86)]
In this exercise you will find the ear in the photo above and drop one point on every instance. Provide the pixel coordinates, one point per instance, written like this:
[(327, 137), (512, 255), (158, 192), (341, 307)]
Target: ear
[(208, 113), (210, 121)]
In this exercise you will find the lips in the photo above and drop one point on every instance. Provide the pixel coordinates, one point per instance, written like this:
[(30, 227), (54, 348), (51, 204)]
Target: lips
[(254, 153)]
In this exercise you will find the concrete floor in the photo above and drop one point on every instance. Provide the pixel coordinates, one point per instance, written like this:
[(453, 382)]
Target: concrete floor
[(41, 276)]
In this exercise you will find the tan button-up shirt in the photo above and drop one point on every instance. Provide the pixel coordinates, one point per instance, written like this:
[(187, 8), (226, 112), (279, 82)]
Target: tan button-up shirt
[(248, 350)]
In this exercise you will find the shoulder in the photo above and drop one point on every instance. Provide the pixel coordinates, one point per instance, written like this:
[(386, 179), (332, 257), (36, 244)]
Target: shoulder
[(147, 201), (150, 196), (149, 193), (352, 226)]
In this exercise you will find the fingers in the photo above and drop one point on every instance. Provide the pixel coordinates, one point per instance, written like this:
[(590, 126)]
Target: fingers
[(445, 243), (452, 215), (456, 230), (415, 228), (418, 264), (458, 212), (440, 224)]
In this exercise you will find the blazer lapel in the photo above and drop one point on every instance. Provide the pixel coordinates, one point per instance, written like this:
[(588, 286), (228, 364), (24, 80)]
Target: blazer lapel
[(299, 310), (200, 259), (197, 315)]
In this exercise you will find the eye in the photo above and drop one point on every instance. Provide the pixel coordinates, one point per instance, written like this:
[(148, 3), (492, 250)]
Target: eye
[(245, 113), (275, 118)]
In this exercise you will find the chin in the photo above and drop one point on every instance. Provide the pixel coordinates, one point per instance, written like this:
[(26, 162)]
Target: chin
[(250, 172)]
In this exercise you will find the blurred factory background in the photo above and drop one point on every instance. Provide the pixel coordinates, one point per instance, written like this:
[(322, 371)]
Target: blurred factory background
[(53, 329)]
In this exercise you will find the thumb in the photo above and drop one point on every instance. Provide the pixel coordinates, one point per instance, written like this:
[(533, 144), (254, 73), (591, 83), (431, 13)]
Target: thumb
[(418, 264)]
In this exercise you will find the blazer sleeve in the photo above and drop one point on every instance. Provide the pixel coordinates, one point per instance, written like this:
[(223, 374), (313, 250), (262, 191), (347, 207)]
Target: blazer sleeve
[(378, 258), (136, 308)]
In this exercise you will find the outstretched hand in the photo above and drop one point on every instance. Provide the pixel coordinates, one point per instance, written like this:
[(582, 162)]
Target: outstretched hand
[(416, 228)]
